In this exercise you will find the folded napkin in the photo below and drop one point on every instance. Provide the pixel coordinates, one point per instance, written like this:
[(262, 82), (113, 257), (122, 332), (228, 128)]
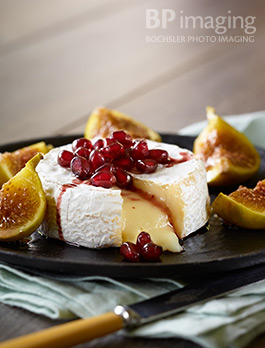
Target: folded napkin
[(233, 320), (236, 318)]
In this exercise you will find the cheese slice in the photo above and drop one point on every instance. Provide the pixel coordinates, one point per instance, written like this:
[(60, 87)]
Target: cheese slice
[(169, 204)]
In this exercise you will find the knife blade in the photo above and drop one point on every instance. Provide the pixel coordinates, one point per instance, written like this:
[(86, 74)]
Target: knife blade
[(127, 317), (178, 300)]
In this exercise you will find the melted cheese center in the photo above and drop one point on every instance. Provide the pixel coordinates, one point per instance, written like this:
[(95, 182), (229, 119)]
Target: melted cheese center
[(141, 214)]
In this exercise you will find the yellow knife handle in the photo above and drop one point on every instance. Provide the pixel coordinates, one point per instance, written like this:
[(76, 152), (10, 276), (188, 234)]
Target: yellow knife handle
[(69, 334)]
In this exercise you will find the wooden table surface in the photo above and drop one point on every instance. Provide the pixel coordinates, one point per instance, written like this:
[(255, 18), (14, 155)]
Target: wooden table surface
[(61, 58)]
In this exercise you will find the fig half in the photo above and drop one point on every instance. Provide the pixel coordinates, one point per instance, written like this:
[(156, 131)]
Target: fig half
[(103, 122), (244, 207), (12, 162), (229, 156), (22, 203)]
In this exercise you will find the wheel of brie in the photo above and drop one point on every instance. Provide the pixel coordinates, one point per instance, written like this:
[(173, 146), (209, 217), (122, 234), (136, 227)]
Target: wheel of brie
[(167, 198)]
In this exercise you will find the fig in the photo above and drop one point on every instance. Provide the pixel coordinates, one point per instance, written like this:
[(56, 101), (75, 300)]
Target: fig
[(103, 122), (244, 207), (229, 157), (22, 203), (12, 162)]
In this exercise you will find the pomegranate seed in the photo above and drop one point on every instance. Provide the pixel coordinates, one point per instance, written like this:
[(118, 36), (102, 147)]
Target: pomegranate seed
[(107, 167), (161, 156), (64, 158), (96, 159), (142, 239), (130, 252), (103, 179), (140, 150), (80, 167), (146, 166), (122, 137), (151, 252), (99, 144), (123, 162), (113, 150), (82, 142), (123, 178), (110, 141), (83, 152)]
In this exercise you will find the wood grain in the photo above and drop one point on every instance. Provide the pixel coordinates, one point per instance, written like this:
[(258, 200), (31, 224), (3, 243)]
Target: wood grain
[(232, 92), (54, 76)]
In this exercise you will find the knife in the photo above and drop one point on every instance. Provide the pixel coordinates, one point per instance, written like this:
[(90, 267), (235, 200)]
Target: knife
[(128, 317)]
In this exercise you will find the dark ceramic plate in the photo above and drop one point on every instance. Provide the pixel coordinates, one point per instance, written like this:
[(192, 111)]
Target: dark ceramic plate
[(207, 252)]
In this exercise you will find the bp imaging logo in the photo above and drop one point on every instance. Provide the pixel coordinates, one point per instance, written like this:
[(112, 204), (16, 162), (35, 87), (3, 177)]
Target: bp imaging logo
[(197, 29)]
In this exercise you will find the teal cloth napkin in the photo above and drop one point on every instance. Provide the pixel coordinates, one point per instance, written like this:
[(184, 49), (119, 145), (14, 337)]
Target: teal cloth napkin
[(231, 321)]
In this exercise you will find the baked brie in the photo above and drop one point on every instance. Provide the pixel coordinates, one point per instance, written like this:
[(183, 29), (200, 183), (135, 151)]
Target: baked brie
[(169, 204)]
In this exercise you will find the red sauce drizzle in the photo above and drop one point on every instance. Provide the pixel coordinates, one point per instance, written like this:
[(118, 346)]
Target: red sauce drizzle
[(63, 189), (185, 157)]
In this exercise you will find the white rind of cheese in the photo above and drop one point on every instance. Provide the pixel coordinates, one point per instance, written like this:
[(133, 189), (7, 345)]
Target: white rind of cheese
[(91, 216), (99, 209)]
